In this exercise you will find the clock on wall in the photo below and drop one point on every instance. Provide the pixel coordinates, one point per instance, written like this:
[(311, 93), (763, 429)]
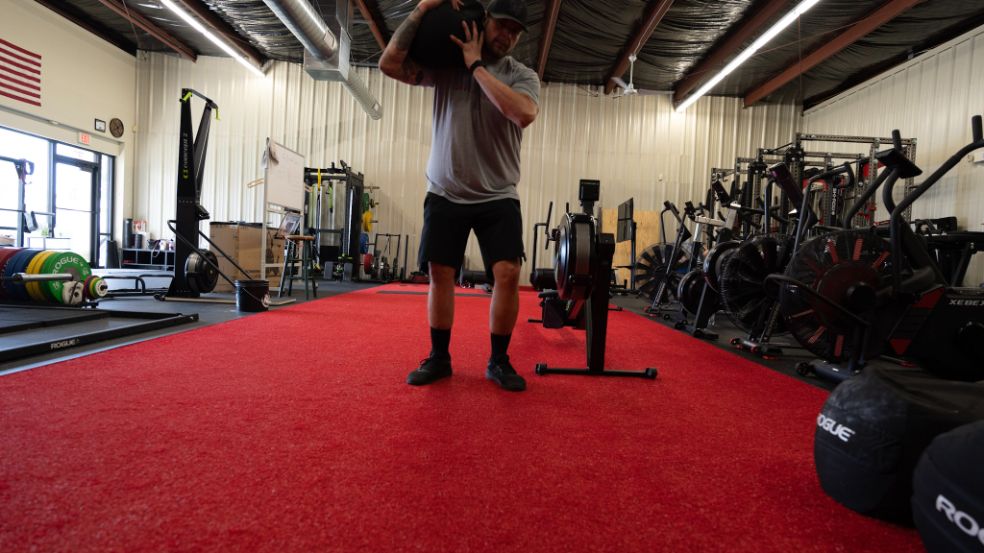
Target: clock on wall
[(116, 127)]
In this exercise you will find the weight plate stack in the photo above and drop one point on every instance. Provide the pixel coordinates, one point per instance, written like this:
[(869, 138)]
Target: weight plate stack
[(650, 269), (742, 278), (5, 255), (847, 267), (64, 262), (18, 264), (34, 289)]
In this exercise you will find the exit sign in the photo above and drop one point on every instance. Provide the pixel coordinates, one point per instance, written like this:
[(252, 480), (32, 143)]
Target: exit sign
[(84, 138)]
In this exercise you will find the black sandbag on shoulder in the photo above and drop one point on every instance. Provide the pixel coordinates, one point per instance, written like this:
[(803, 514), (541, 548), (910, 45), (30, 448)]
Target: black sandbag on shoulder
[(948, 492), (432, 46), (874, 427)]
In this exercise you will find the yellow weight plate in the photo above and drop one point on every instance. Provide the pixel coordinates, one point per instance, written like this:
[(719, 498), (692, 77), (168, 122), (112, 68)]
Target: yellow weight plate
[(34, 268)]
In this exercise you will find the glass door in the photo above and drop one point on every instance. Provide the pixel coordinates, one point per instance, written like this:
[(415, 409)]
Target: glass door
[(76, 200)]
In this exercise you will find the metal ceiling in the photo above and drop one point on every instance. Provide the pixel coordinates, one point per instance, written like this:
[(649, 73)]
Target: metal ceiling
[(590, 36)]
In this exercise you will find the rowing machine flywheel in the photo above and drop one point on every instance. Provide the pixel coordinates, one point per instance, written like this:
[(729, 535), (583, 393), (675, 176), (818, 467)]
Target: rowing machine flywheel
[(201, 271), (575, 256)]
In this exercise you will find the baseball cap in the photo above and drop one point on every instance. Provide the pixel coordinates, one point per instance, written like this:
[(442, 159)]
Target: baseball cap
[(509, 9)]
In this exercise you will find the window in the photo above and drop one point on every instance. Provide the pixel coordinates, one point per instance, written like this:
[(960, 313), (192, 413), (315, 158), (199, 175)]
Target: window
[(69, 196)]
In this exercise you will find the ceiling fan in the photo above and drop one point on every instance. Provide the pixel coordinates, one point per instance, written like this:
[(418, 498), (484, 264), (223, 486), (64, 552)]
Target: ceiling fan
[(629, 89)]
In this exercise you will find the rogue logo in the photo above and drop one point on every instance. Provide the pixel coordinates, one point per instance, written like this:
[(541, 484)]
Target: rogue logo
[(962, 520), (835, 428), (64, 343), (967, 303)]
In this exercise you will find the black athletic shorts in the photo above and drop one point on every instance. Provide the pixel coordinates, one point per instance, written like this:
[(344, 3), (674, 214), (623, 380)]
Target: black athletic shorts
[(498, 225)]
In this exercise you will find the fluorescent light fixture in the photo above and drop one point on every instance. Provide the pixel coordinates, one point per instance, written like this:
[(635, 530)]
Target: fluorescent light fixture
[(187, 18), (761, 41)]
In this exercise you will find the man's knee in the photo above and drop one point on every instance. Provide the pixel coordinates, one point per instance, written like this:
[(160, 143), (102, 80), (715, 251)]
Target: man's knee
[(506, 272), (441, 274)]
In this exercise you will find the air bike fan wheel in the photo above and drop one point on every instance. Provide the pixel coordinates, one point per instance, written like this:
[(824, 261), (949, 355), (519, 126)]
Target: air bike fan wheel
[(742, 279), (846, 267), (650, 268)]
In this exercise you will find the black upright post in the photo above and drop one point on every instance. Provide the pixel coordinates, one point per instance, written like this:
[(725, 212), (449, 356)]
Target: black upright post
[(597, 308), (188, 211)]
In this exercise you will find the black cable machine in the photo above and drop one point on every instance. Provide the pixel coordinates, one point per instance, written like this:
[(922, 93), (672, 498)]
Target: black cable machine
[(582, 273)]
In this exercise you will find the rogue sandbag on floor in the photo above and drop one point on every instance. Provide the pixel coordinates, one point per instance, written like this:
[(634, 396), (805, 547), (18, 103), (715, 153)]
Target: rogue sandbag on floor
[(948, 492), (874, 427)]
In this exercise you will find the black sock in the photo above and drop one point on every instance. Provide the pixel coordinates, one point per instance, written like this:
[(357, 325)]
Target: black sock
[(440, 340), (500, 343)]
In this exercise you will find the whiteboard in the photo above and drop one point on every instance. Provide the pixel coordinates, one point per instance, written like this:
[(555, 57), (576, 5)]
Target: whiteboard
[(284, 177)]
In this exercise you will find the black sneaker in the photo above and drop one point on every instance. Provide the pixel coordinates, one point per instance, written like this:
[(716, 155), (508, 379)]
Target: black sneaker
[(503, 374), (430, 370)]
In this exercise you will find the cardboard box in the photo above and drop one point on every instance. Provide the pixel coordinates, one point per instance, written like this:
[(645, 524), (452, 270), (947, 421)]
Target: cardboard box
[(241, 241)]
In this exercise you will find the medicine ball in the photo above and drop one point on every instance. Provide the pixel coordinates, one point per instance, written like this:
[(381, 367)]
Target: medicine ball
[(948, 486), (432, 46), (875, 426)]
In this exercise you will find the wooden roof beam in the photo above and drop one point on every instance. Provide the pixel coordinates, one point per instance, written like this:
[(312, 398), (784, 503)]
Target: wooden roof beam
[(80, 18), (647, 25), (224, 30), (745, 30), (888, 11), (546, 37), (370, 12), (142, 22)]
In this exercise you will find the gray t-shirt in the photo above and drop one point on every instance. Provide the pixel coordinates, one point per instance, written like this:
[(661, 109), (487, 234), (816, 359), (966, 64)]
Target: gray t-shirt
[(474, 148)]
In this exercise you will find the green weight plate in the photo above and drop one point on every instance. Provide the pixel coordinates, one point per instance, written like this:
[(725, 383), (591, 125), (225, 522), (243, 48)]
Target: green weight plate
[(65, 262)]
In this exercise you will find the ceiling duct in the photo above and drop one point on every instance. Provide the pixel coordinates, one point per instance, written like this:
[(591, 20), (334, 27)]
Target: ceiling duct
[(326, 46)]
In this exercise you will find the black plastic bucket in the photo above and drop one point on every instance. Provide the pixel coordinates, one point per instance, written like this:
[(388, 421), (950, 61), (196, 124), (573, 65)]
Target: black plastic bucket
[(252, 295)]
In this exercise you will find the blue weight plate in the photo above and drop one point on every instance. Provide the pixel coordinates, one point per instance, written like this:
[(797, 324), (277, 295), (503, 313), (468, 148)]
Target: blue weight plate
[(18, 264)]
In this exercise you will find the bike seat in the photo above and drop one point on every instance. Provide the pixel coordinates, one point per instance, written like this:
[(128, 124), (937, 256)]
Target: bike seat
[(894, 159)]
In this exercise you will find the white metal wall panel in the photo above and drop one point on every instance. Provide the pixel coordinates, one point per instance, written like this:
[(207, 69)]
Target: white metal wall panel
[(637, 146), (932, 99)]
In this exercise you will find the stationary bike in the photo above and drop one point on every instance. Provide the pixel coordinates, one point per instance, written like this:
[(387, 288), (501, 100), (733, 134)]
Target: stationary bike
[(851, 295)]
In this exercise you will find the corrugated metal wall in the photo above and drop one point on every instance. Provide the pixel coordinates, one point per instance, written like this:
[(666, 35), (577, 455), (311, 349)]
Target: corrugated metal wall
[(637, 146), (932, 99)]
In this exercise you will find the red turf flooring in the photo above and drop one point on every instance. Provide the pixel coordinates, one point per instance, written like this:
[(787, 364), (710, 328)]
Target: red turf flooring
[(293, 430)]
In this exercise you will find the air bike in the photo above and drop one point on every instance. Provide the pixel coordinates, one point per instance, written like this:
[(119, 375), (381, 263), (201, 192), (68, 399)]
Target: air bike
[(577, 293), (851, 295)]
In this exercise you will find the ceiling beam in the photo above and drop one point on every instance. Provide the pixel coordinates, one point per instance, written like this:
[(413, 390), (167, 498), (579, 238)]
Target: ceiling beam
[(370, 12), (909, 53), (740, 34), (224, 30), (888, 11), (80, 18), (650, 20), (546, 37), (153, 30)]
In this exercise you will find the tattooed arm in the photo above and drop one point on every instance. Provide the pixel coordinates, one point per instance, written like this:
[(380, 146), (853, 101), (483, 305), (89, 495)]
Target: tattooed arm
[(394, 62)]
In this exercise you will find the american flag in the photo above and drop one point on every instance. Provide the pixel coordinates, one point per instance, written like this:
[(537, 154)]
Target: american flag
[(20, 74)]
